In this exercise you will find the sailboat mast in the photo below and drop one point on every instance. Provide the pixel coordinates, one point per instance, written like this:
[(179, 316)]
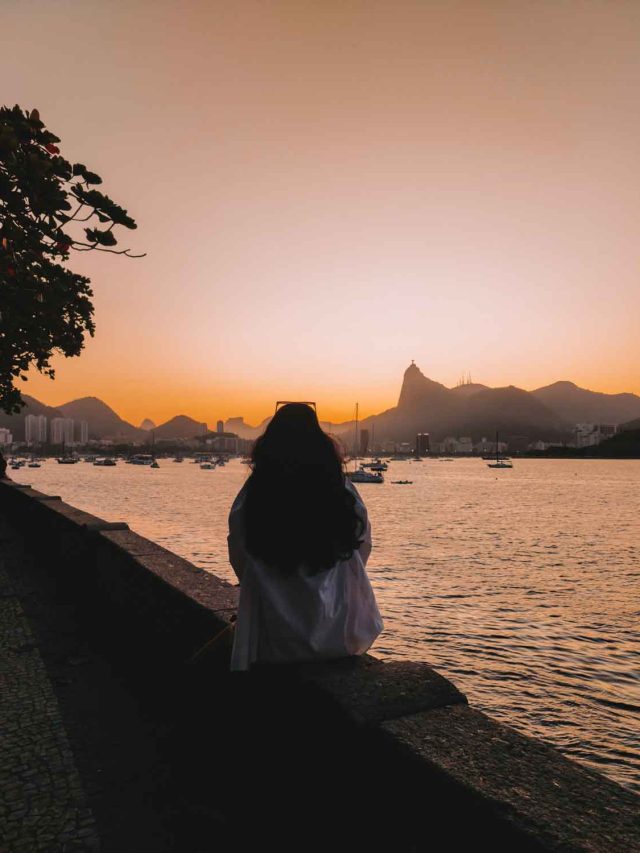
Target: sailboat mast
[(497, 448)]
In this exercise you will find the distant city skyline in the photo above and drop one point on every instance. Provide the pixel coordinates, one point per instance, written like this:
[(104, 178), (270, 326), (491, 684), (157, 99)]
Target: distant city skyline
[(325, 191)]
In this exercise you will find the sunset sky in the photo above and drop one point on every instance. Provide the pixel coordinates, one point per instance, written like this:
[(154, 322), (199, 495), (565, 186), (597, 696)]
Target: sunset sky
[(328, 189)]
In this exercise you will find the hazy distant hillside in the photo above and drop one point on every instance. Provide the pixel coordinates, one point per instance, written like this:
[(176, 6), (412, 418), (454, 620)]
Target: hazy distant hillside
[(180, 427), (34, 407), (103, 421), (423, 406), (147, 424), (469, 389), (474, 410), (578, 405), (245, 430), (635, 424), (510, 410)]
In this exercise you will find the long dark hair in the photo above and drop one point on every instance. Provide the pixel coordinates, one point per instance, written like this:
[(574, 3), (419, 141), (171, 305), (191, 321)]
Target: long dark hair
[(298, 509)]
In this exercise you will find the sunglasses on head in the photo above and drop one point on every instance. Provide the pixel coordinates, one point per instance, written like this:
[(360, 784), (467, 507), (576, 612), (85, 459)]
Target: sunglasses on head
[(300, 402)]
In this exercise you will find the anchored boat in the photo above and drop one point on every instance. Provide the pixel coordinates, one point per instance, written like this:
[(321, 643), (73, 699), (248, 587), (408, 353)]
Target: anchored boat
[(501, 462)]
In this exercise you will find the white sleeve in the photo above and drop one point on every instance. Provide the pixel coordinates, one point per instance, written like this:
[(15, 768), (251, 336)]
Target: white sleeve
[(238, 556), (366, 545), (365, 548)]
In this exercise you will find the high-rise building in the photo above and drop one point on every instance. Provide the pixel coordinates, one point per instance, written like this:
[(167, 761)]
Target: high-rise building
[(225, 442), (84, 432), (422, 444), (6, 438), (364, 442), (220, 426), (62, 431), (35, 429)]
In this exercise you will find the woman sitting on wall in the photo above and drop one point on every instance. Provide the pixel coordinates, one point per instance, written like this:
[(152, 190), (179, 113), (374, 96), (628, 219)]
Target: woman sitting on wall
[(299, 539)]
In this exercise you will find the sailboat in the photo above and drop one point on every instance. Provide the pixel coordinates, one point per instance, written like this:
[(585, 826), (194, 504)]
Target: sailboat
[(499, 463), (359, 475), (154, 464)]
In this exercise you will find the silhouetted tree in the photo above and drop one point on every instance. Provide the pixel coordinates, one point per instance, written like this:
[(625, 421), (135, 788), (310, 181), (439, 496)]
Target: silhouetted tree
[(44, 307)]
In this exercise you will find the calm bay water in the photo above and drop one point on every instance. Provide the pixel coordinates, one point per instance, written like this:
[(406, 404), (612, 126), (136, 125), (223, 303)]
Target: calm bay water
[(522, 586)]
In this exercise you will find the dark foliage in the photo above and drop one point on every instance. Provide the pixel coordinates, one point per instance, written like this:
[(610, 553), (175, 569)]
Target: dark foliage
[(44, 307)]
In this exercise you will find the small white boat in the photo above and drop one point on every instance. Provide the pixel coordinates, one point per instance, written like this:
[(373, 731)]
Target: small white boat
[(378, 465), (154, 464), (105, 463), (141, 459), (363, 476)]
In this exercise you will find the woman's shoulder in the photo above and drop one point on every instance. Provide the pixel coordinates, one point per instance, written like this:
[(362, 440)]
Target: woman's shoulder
[(239, 500), (351, 488)]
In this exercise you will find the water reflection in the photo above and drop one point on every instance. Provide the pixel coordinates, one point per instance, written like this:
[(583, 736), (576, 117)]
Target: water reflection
[(521, 586)]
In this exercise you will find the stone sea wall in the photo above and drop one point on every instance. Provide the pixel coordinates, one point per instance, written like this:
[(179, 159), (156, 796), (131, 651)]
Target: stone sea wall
[(357, 751)]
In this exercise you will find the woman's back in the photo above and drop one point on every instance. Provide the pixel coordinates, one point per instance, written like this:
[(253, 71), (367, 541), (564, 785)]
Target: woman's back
[(299, 539)]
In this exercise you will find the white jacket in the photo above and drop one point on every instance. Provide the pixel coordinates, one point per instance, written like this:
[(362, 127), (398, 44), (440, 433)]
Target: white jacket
[(302, 616)]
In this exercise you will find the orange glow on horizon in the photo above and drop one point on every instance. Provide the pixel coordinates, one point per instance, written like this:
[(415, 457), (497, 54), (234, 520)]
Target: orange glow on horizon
[(326, 191), (141, 399)]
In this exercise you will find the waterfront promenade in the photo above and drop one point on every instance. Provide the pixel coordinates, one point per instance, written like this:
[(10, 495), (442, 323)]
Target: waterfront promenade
[(42, 799), (78, 762), (113, 741)]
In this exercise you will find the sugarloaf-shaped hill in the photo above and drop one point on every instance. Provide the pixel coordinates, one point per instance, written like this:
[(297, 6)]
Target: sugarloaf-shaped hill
[(418, 391), (475, 410)]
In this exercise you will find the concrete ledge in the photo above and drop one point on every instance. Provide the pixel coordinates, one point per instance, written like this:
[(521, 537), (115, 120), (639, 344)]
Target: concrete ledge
[(373, 694), (136, 594), (522, 781), (71, 515), (98, 526), (477, 781), (208, 590)]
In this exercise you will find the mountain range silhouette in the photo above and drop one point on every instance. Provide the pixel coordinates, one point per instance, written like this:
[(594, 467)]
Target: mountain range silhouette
[(424, 405)]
